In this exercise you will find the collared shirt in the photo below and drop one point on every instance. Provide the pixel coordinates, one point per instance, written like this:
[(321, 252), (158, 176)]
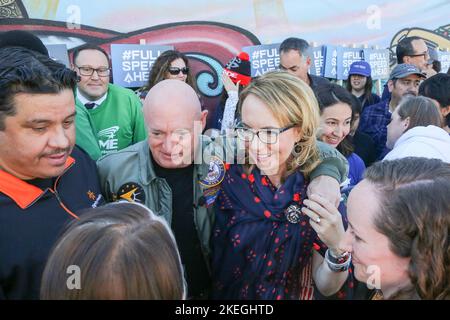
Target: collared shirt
[(374, 121), (97, 102), (32, 215)]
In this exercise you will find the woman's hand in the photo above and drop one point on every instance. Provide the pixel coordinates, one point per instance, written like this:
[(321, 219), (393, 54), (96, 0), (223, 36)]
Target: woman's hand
[(228, 83), (326, 221)]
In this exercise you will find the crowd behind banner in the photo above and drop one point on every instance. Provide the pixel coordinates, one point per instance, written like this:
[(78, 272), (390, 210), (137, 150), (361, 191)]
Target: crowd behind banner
[(305, 187)]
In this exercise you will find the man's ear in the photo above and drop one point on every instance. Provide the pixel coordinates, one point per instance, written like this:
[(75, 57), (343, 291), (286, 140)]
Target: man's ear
[(72, 67), (203, 118), (308, 61), (390, 85)]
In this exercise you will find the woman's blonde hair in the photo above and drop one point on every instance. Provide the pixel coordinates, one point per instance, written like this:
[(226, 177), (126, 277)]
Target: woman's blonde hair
[(292, 102)]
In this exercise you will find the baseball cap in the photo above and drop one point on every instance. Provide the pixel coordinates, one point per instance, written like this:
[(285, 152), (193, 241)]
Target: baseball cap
[(361, 68), (403, 70)]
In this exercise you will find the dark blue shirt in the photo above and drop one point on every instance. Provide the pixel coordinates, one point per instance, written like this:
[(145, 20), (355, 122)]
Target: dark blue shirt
[(374, 99), (356, 169), (374, 120), (386, 94), (32, 216)]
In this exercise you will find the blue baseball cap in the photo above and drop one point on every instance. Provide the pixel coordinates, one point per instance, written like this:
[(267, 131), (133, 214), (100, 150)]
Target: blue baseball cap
[(361, 68)]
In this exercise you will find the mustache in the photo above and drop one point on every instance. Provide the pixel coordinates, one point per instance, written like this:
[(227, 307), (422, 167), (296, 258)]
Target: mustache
[(56, 151)]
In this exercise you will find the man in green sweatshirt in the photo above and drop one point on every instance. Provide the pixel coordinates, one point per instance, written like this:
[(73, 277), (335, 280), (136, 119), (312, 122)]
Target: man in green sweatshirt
[(112, 112)]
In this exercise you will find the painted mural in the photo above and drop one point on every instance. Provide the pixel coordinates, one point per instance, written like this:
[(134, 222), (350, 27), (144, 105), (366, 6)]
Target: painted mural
[(212, 32)]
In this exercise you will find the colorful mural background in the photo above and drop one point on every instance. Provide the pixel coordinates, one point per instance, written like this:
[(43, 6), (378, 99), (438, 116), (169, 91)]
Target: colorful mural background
[(211, 32)]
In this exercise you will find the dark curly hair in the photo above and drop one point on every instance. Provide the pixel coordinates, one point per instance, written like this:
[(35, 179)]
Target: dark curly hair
[(415, 217)]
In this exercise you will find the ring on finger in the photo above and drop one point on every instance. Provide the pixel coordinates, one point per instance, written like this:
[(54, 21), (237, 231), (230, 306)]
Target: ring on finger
[(318, 220)]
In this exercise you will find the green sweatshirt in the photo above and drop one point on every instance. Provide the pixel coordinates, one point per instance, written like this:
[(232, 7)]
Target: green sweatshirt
[(117, 123)]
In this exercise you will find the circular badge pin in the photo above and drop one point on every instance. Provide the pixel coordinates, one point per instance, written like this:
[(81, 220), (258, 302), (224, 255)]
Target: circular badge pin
[(216, 173), (132, 192), (293, 213)]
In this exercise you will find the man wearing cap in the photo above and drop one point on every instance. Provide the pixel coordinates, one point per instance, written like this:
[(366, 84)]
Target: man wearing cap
[(411, 50), (403, 80), (295, 58), (360, 83)]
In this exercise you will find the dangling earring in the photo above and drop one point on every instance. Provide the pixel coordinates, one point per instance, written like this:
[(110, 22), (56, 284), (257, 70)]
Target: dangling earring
[(297, 148)]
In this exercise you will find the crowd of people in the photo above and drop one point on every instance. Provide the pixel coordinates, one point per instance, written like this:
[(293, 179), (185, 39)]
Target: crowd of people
[(305, 190)]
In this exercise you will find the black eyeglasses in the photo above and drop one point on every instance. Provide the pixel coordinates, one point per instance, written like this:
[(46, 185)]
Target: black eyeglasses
[(89, 71), (174, 71), (269, 136), (425, 55)]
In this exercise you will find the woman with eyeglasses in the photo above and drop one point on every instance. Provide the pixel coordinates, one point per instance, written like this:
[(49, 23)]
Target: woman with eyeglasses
[(266, 243), (171, 64)]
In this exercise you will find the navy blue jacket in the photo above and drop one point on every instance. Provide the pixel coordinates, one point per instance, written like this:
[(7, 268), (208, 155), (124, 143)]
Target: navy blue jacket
[(374, 99), (33, 214), (386, 95), (373, 121)]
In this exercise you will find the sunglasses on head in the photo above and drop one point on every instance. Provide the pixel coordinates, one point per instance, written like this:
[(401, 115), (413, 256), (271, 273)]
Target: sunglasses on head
[(174, 71)]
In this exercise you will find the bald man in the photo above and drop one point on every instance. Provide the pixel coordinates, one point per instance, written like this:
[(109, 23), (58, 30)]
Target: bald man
[(167, 173), (160, 169)]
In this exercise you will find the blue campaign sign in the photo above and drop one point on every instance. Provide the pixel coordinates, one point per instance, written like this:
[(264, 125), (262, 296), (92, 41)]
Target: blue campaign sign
[(345, 57), (131, 63), (58, 52), (330, 61), (317, 61), (444, 58), (379, 62), (263, 58)]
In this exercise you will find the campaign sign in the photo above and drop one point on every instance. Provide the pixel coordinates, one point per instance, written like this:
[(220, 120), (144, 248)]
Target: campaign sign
[(263, 58), (345, 57), (444, 58), (131, 63), (330, 61), (317, 61), (58, 52), (379, 62)]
